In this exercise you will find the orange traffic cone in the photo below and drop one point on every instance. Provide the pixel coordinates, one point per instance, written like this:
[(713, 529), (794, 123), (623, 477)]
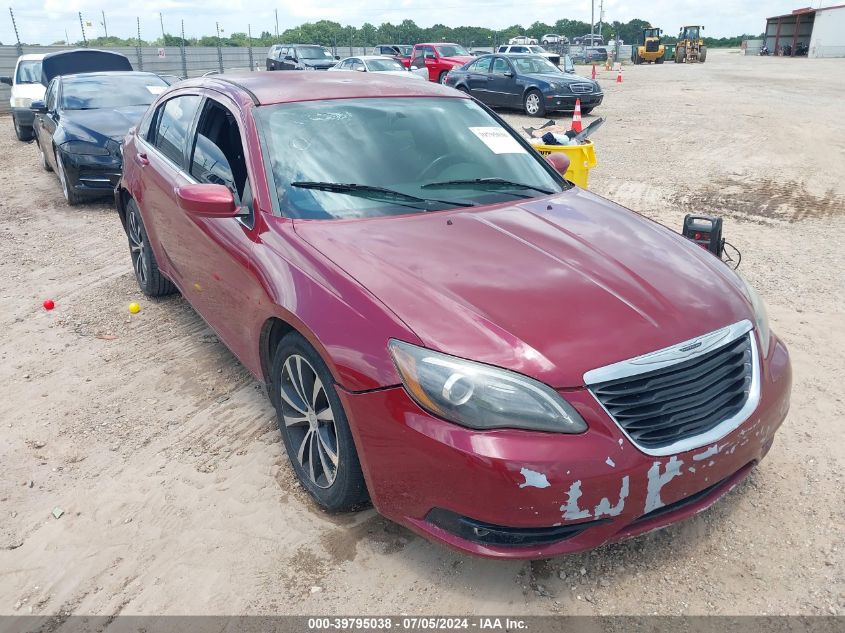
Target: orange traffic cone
[(576, 117), (619, 76), (594, 71)]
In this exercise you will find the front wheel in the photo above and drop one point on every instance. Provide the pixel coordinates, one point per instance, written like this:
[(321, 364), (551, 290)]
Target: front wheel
[(533, 104), (42, 158), (442, 78), (23, 133), (586, 111), (69, 192), (314, 427), (702, 54), (659, 60)]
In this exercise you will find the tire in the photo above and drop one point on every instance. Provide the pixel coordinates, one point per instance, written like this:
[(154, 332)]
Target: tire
[(42, 159), (637, 59), (586, 111), (23, 133), (680, 55), (441, 78), (150, 280), (659, 60), (71, 196), (321, 451), (702, 54), (533, 103)]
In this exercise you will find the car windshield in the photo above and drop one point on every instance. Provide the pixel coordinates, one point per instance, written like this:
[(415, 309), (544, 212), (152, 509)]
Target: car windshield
[(384, 64), (409, 146), (452, 50), (110, 91), (533, 65), (538, 50), (313, 52), (29, 72)]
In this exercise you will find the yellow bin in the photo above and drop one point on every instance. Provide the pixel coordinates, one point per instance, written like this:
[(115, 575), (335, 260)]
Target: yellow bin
[(582, 158)]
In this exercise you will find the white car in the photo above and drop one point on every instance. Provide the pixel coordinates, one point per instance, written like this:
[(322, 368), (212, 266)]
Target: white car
[(522, 39), (530, 50), (26, 88), (380, 64), (553, 38)]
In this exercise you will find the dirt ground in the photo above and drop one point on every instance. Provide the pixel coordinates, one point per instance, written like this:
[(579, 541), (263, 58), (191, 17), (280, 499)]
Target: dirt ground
[(163, 456)]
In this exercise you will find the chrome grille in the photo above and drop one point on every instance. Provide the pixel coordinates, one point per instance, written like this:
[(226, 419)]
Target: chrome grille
[(581, 89), (684, 401)]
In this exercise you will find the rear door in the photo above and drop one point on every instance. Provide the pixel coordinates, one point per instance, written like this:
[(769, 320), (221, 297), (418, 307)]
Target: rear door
[(162, 157), (478, 75), (500, 86)]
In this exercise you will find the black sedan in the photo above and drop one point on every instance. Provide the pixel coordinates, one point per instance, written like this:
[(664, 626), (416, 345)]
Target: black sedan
[(80, 126), (530, 82)]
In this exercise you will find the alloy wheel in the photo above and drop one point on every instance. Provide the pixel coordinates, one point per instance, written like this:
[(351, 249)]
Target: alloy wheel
[(137, 248), (532, 103), (309, 420)]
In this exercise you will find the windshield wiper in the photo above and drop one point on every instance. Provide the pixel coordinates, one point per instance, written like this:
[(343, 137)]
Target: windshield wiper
[(375, 193), (484, 183)]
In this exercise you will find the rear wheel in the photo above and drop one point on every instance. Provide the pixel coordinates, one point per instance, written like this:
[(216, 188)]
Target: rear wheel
[(42, 158), (637, 59), (702, 54), (69, 192), (659, 60), (314, 427), (533, 103), (150, 280)]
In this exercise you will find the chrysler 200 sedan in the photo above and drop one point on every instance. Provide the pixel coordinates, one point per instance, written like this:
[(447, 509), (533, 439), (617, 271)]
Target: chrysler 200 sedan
[(497, 359)]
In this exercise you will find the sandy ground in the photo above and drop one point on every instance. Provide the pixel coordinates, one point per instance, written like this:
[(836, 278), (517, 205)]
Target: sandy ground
[(176, 495)]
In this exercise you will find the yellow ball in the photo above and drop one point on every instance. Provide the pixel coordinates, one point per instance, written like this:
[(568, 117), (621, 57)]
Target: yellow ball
[(134, 308)]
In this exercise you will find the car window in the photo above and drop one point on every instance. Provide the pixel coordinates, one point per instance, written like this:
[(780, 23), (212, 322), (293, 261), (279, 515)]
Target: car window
[(50, 95), (529, 65), (94, 91), (377, 65), (174, 118), (312, 52), (419, 52), (480, 66), (502, 49), (218, 154), (519, 49), (29, 72), (452, 50), (332, 141), (500, 66)]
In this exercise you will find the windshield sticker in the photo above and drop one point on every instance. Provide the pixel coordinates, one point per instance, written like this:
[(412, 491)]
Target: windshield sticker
[(498, 140), (156, 90)]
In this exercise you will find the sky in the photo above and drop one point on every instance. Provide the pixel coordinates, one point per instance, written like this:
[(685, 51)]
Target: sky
[(46, 21)]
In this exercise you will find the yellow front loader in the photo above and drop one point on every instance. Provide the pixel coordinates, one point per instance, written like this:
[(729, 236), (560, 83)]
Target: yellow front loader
[(690, 47), (649, 48)]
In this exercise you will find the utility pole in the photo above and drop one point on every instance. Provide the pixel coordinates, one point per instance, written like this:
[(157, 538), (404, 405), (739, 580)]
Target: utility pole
[(601, 15), (105, 28), (138, 52), (17, 37), (277, 25), (161, 20), (82, 26)]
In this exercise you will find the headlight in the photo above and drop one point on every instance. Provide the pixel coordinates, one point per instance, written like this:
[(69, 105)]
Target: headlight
[(481, 396), (81, 147), (21, 102), (761, 318)]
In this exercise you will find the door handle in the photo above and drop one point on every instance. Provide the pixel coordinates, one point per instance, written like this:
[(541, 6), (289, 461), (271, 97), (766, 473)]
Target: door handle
[(141, 159)]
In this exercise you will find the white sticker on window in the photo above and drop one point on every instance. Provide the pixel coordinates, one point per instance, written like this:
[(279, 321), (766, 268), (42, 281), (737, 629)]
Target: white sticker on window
[(498, 140), (156, 90)]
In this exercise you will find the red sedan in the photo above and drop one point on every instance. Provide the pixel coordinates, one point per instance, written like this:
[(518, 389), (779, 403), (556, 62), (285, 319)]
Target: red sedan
[(495, 358)]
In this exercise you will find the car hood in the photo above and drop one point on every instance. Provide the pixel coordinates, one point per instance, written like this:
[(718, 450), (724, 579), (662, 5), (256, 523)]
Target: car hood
[(561, 78), (550, 288), (95, 126), (400, 73), (319, 63)]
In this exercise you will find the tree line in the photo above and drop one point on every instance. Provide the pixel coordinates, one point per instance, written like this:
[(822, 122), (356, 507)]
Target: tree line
[(334, 34)]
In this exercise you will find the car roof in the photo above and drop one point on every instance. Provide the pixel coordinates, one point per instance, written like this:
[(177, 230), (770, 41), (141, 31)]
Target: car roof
[(437, 44), (266, 88), (29, 57), (368, 57)]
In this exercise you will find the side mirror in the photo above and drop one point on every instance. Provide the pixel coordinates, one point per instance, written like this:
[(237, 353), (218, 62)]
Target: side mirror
[(508, 73), (6, 80), (207, 201), (38, 106), (337, 57), (360, 69), (559, 161)]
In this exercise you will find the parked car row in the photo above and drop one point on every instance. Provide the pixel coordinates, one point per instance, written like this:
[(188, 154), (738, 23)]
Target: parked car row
[(445, 325)]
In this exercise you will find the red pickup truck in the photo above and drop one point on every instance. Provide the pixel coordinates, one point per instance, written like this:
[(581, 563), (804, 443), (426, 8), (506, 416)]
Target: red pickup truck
[(439, 59)]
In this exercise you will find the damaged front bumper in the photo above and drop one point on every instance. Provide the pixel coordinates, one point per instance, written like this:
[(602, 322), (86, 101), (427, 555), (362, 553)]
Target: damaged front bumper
[(522, 494)]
